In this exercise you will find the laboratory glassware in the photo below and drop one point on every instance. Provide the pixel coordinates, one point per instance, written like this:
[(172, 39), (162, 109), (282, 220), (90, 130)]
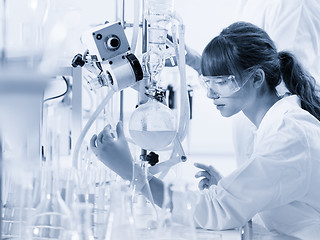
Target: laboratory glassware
[(82, 213), (154, 58), (120, 223), (181, 226), (153, 125), (145, 211), (52, 218), (158, 11), (17, 207)]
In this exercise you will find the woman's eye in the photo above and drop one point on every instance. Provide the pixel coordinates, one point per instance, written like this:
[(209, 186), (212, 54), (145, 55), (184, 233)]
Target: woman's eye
[(222, 82)]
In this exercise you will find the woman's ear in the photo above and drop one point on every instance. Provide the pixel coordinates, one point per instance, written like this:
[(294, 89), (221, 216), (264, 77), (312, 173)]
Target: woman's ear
[(258, 78)]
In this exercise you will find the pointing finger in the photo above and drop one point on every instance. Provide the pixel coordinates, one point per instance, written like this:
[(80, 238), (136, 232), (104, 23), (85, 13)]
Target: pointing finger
[(202, 166)]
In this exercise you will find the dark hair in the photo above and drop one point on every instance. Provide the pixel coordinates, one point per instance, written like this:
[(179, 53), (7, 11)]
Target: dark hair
[(243, 45)]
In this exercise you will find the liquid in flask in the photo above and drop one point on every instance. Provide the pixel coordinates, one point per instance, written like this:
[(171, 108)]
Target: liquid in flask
[(153, 126)]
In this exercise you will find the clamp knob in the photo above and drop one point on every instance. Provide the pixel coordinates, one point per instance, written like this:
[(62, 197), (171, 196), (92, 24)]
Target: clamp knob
[(78, 61)]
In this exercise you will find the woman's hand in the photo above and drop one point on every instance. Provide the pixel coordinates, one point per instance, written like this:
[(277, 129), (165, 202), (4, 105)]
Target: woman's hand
[(210, 174), (113, 151)]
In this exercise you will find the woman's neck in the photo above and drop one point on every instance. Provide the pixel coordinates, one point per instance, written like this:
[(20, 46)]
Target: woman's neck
[(260, 106)]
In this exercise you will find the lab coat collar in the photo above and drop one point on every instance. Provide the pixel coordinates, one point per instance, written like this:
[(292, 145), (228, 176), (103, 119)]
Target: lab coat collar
[(278, 109)]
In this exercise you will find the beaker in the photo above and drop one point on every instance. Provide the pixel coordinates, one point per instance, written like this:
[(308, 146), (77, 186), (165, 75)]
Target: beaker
[(153, 126)]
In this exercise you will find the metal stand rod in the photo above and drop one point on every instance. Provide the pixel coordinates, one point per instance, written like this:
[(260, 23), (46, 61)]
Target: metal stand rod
[(122, 20), (4, 31), (142, 96), (1, 171)]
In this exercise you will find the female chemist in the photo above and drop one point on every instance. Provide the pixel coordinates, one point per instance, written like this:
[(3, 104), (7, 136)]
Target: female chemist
[(280, 181)]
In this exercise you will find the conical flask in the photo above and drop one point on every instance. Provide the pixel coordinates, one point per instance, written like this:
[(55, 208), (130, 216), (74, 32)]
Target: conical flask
[(120, 223), (181, 226), (144, 209), (52, 218)]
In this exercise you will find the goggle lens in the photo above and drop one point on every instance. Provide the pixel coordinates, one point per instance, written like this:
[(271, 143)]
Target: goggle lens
[(224, 86)]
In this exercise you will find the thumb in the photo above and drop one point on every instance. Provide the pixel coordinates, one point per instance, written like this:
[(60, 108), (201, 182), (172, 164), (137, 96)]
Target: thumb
[(120, 132)]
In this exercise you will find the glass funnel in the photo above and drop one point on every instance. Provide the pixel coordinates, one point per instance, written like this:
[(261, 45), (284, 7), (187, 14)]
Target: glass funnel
[(153, 126)]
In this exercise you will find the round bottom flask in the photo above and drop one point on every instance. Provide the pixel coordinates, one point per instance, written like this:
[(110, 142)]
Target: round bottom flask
[(153, 126)]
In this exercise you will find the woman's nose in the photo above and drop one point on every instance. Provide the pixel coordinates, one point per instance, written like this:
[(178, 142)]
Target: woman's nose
[(212, 94)]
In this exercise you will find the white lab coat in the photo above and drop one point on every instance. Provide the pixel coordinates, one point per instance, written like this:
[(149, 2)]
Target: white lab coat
[(294, 26), (280, 180)]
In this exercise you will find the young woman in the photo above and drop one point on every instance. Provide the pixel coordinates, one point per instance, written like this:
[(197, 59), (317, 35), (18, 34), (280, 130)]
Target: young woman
[(280, 181)]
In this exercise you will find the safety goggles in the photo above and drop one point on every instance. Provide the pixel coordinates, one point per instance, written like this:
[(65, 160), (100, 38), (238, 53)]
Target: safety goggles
[(224, 86)]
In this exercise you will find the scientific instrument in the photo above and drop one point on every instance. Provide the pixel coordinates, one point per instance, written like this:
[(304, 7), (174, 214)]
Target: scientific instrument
[(109, 58), (112, 63)]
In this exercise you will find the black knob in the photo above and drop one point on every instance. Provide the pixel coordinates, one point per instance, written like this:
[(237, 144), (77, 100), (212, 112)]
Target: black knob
[(78, 61), (152, 158)]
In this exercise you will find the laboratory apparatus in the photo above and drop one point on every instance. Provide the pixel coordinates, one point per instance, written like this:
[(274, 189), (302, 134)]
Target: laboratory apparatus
[(88, 201), (154, 116), (120, 221), (153, 120), (170, 227), (109, 56), (52, 219)]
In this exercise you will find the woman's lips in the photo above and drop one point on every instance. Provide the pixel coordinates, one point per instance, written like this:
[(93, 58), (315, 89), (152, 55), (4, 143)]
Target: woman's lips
[(219, 106)]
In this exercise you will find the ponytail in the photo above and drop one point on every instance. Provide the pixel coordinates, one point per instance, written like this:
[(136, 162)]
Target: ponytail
[(300, 83)]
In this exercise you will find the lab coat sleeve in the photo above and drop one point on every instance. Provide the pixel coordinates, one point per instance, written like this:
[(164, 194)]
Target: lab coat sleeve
[(276, 174)]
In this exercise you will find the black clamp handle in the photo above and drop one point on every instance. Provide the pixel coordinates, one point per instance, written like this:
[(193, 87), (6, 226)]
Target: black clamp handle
[(78, 61), (152, 158)]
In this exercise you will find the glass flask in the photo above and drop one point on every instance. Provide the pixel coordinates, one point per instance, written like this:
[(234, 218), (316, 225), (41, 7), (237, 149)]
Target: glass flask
[(82, 212), (173, 226), (120, 222), (52, 218), (17, 207), (145, 211), (153, 126)]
